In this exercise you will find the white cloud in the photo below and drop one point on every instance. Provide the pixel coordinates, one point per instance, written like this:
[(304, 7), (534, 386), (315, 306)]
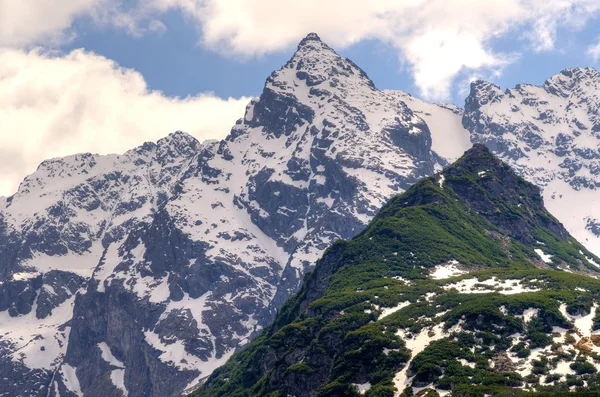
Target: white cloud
[(52, 106), (439, 40), (593, 51), (23, 22)]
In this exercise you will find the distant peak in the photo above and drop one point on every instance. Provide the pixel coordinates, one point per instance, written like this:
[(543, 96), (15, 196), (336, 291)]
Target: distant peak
[(482, 92), (482, 85), (310, 37), (578, 71), (571, 80), (178, 138), (173, 145), (573, 74)]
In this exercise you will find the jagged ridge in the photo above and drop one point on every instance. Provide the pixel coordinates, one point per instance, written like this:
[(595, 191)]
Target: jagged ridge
[(550, 134)]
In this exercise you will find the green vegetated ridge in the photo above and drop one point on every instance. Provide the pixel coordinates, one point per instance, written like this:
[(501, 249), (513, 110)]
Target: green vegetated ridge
[(443, 293)]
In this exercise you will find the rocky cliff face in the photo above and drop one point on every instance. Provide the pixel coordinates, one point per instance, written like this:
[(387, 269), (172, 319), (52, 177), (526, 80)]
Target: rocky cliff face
[(139, 274), (53, 233), (464, 284), (550, 135)]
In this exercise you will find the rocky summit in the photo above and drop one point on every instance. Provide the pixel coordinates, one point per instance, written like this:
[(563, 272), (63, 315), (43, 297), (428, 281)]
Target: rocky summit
[(139, 274), (463, 285)]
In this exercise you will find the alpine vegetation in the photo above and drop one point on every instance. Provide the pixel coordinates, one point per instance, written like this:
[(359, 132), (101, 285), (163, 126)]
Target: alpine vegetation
[(444, 292)]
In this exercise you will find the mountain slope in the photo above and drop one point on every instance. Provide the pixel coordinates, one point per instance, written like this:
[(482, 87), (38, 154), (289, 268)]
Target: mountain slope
[(53, 232), (550, 135), (463, 283), (139, 274)]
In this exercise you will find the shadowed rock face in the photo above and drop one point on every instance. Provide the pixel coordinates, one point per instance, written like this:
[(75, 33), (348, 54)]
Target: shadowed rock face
[(147, 270)]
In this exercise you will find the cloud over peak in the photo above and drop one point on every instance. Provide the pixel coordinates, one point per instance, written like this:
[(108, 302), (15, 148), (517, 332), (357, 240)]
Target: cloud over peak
[(437, 39), (54, 106)]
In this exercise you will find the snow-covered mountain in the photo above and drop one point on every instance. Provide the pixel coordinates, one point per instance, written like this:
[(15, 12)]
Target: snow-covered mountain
[(139, 274), (551, 135), (54, 232)]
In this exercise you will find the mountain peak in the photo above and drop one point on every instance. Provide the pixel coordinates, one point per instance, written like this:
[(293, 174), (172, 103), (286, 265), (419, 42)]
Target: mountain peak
[(483, 92), (310, 37), (479, 156), (178, 138), (312, 45), (314, 63), (477, 150), (582, 82)]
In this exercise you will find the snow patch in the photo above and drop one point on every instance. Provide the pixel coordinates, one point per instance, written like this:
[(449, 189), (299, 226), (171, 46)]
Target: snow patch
[(70, 380), (504, 287), (117, 376), (363, 387), (546, 258), (447, 270), (582, 323), (387, 311), (528, 314), (38, 343), (441, 180), (416, 343)]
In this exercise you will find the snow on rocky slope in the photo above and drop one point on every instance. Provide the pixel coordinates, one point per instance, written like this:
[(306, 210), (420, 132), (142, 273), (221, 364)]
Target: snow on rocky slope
[(551, 135), (449, 138), (138, 274), (54, 231)]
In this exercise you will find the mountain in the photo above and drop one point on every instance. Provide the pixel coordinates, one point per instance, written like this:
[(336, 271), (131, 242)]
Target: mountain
[(464, 284), (139, 274), (551, 135), (54, 232)]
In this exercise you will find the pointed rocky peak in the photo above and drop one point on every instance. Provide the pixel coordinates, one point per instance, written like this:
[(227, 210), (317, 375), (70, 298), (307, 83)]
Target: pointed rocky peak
[(313, 43), (177, 144), (178, 138), (479, 166), (496, 192), (310, 37), (313, 47), (174, 147), (315, 63), (485, 185), (483, 93), (292, 94)]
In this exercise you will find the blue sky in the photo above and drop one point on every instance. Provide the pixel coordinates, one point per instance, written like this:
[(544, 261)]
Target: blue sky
[(104, 76), (174, 62)]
